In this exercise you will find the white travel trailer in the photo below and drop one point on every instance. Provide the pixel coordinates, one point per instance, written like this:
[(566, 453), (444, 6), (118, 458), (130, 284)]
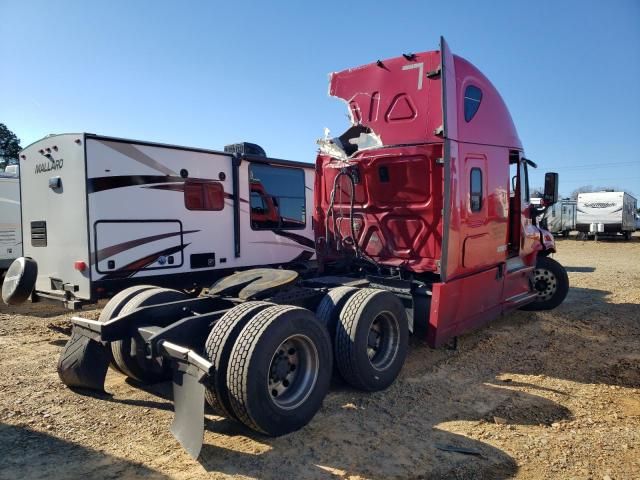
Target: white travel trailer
[(101, 214), (614, 210), (10, 231), (560, 217)]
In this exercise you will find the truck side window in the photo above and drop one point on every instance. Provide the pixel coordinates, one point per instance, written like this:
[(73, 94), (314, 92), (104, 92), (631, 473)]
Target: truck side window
[(277, 197), (203, 195), (476, 190), (472, 99)]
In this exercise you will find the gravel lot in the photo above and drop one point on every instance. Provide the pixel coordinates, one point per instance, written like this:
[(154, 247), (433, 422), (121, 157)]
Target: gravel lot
[(534, 395)]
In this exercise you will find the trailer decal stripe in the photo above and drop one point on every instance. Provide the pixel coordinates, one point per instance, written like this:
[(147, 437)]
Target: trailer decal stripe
[(99, 184), (134, 267), (304, 241), (107, 252), (139, 156)]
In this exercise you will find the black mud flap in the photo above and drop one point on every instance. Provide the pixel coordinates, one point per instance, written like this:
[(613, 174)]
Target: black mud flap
[(189, 372), (83, 363)]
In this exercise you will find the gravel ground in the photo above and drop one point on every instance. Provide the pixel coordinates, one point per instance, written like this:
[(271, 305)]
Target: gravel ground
[(533, 395)]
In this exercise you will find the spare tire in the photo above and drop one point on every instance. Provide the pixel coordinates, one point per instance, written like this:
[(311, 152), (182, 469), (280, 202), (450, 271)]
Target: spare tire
[(19, 281)]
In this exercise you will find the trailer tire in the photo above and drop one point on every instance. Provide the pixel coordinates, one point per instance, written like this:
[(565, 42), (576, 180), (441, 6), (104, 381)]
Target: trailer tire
[(19, 280), (112, 310), (279, 370), (218, 348), (328, 311), (372, 339), (552, 283), (142, 369)]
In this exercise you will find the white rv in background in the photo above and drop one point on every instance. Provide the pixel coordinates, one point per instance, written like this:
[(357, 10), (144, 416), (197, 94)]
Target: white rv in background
[(615, 210), (100, 214), (10, 230), (560, 217)]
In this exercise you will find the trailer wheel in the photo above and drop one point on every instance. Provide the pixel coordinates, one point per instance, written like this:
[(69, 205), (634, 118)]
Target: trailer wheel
[(218, 349), (328, 311), (19, 280), (279, 370), (551, 282), (372, 338), (134, 366), (112, 310)]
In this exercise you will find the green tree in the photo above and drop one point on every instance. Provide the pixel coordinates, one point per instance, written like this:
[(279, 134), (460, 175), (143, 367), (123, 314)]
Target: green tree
[(9, 146)]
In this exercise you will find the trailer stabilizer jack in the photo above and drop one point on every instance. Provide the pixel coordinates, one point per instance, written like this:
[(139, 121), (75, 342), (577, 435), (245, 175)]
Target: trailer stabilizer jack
[(189, 372)]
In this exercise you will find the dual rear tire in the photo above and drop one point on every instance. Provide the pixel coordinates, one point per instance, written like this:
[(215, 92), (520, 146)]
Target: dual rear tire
[(273, 366)]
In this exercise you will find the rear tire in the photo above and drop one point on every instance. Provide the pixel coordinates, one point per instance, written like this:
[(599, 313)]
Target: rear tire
[(112, 309), (551, 282), (218, 348), (134, 366), (279, 370), (372, 339), (328, 311)]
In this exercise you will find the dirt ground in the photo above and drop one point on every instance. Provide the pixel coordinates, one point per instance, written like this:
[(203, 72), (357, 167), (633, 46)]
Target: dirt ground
[(533, 395)]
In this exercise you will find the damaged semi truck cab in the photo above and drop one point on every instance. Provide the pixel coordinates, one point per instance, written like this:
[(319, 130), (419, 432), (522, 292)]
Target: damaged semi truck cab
[(422, 224), (430, 185)]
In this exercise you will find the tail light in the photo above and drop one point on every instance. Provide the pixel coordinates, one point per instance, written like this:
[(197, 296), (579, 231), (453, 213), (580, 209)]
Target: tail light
[(80, 265)]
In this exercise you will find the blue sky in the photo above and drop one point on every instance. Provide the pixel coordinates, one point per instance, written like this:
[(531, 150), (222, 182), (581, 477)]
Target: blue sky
[(209, 73)]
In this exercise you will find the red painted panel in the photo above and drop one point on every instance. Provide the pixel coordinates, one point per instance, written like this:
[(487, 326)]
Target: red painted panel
[(398, 205), (461, 305), (394, 97)]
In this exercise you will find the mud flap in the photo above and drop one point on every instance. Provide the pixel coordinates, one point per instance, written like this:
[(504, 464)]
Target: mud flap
[(188, 422), (190, 370), (83, 363)]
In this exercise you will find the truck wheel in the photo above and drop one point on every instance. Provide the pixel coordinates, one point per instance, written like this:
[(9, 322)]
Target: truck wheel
[(329, 309), (134, 366), (372, 339), (19, 280), (279, 370), (218, 349), (112, 310), (551, 281)]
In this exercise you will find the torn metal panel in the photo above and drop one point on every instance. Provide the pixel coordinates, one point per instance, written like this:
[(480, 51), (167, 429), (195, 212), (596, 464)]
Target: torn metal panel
[(394, 99)]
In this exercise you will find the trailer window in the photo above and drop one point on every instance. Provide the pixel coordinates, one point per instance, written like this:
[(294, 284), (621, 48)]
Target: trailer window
[(476, 190), (472, 99), (277, 197), (203, 195)]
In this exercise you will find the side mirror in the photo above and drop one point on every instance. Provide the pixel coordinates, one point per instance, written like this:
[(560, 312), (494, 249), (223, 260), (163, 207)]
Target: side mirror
[(550, 188)]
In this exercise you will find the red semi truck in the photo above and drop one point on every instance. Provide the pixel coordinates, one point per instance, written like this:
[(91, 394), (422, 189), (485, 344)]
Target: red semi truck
[(423, 226)]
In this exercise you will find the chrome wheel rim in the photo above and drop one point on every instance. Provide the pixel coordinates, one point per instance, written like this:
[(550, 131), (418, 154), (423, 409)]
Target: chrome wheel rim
[(383, 340), (545, 283), (293, 372)]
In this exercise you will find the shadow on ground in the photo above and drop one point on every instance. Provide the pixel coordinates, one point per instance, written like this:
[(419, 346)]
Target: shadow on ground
[(24, 455)]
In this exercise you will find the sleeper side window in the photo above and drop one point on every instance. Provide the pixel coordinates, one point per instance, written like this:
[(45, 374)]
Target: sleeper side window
[(472, 99), (276, 197), (476, 190), (203, 195)]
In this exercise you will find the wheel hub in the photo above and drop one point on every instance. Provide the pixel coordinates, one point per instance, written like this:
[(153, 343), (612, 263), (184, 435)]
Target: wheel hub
[(293, 371), (545, 283), (383, 340)]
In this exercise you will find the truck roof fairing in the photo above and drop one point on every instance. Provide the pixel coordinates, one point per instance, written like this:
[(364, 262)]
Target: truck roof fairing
[(420, 98)]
